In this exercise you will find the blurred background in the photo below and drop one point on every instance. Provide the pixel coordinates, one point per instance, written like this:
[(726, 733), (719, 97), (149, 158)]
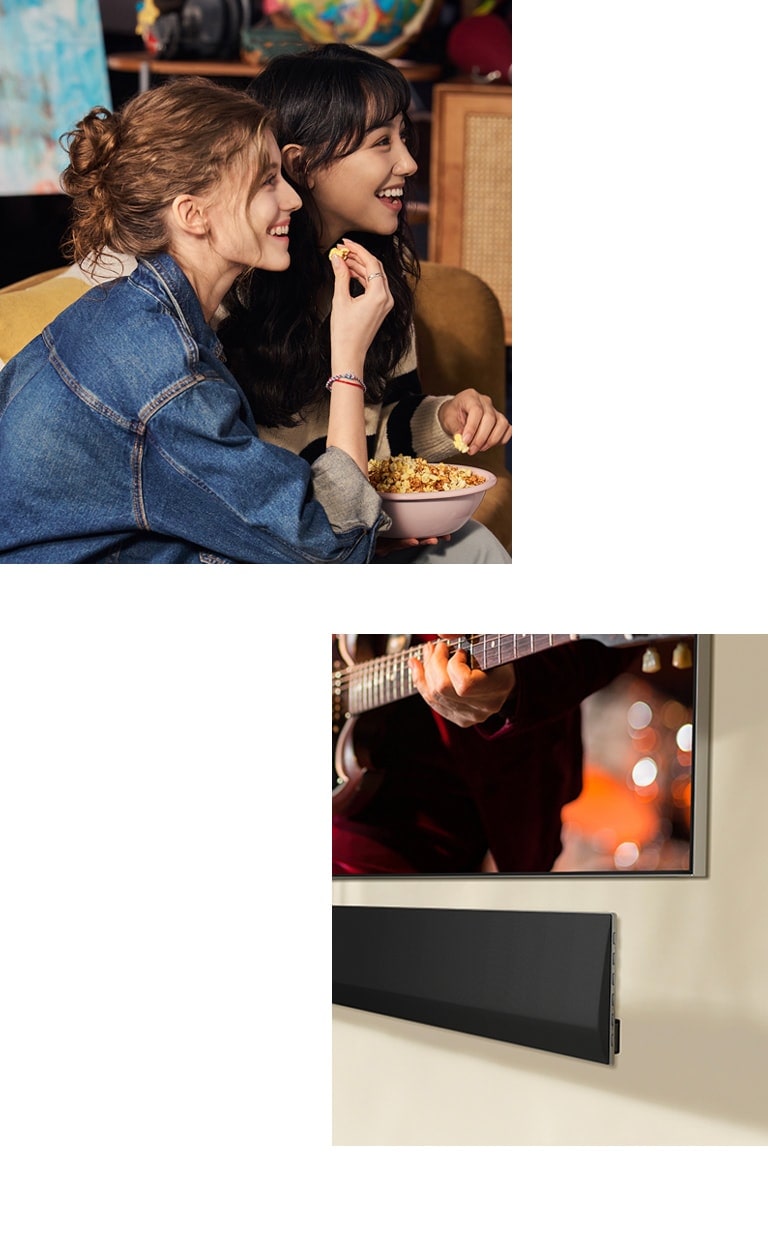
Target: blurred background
[(58, 58), (634, 814)]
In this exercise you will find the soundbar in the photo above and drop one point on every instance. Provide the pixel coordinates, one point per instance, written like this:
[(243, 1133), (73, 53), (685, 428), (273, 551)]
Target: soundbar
[(539, 979)]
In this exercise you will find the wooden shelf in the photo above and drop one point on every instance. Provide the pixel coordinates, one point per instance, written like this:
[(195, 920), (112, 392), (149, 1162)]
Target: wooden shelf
[(144, 65)]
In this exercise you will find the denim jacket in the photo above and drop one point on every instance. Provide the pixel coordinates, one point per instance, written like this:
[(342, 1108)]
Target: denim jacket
[(124, 438)]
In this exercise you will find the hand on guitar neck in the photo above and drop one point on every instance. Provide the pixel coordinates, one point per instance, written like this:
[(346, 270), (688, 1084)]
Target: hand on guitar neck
[(465, 696)]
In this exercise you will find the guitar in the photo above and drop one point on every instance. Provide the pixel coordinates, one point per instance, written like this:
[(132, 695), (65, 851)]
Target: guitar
[(362, 686)]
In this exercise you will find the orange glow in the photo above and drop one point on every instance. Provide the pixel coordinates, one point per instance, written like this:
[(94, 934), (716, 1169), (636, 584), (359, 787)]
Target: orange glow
[(681, 792), (647, 794), (674, 715), (646, 739), (606, 808)]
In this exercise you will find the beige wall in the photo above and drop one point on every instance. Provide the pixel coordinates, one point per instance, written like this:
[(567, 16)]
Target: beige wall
[(691, 990)]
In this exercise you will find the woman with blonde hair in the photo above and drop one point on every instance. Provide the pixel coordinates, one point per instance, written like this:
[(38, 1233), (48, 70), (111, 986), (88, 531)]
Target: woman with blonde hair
[(124, 437)]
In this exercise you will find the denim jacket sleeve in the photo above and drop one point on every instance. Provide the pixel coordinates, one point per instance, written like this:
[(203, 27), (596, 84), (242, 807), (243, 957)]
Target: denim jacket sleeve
[(207, 476)]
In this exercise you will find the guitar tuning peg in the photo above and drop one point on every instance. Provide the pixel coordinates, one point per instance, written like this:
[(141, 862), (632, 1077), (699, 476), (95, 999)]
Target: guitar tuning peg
[(682, 657), (651, 661)]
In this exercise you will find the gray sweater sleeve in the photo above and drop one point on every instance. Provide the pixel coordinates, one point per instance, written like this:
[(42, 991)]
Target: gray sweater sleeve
[(345, 494)]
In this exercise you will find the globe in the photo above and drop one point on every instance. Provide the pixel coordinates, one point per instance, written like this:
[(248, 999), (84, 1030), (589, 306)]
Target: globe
[(381, 26)]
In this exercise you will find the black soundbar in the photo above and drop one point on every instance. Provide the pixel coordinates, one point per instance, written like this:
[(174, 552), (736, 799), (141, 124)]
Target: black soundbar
[(540, 979)]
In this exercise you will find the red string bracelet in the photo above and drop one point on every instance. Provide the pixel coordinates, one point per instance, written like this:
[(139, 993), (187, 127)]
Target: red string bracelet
[(346, 377)]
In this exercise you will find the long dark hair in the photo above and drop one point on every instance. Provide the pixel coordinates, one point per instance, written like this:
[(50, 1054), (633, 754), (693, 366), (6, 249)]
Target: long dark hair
[(276, 335)]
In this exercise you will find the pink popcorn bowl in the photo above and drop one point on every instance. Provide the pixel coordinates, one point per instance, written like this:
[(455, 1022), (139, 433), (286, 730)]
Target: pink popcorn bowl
[(419, 515)]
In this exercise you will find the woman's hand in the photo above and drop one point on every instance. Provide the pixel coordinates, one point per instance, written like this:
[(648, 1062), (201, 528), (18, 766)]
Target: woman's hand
[(354, 324), (476, 418), (355, 321), (452, 688), (385, 546)]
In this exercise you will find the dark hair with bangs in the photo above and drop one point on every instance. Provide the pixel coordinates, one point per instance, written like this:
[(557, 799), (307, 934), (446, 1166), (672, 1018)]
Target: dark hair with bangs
[(327, 99), (276, 335)]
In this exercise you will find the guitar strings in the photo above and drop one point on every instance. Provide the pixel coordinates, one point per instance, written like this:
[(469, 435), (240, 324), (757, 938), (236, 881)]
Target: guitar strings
[(375, 678), (381, 680), (511, 646)]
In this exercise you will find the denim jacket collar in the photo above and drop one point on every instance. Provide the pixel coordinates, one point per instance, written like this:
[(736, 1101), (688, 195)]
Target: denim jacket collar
[(162, 276)]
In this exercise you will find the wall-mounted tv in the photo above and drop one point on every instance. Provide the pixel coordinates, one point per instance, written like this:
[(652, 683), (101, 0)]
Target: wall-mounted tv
[(594, 763)]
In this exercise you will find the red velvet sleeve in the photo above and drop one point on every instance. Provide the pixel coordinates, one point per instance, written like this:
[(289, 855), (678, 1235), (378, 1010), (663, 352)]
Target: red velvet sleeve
[(551, 683)]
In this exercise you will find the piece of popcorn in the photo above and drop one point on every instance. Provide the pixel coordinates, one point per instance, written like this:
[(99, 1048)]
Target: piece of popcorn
[(460, 443)]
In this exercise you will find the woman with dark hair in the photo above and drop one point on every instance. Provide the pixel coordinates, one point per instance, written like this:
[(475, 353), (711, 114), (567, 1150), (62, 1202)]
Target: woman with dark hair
[(124, 437), (343, 127)]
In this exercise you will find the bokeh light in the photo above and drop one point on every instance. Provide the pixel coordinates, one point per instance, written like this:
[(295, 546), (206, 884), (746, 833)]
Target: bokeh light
[(639, 715), (645, 772), (626, 855), (684, 737)]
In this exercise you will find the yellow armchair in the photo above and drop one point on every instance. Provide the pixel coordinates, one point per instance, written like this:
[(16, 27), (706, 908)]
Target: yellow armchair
[(27, 306), (460, 343)]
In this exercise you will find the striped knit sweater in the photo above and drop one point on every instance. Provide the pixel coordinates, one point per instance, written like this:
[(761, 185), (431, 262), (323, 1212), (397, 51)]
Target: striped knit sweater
[(404, 422)]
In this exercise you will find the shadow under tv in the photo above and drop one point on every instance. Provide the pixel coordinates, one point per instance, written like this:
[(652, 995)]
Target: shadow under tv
[(539, 979)]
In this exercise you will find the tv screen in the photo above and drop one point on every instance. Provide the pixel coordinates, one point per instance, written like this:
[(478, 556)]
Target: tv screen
[(589, 756)]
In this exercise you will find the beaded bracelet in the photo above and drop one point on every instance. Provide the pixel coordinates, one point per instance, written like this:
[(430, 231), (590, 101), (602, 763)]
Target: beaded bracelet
[(346, 377)]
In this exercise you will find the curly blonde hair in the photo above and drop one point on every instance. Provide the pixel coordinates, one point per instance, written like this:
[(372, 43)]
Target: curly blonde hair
[(127, 167)]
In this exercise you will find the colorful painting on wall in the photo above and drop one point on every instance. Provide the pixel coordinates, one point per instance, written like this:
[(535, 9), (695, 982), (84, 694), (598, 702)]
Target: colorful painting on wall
[(53, 69)]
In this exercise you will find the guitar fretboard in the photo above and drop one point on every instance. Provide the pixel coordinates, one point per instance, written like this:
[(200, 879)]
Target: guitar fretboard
[(383, 680)]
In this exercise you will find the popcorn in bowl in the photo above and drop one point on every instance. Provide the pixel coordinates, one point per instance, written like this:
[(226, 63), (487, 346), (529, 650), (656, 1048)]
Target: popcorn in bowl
[(404, 474), (425, 499)]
